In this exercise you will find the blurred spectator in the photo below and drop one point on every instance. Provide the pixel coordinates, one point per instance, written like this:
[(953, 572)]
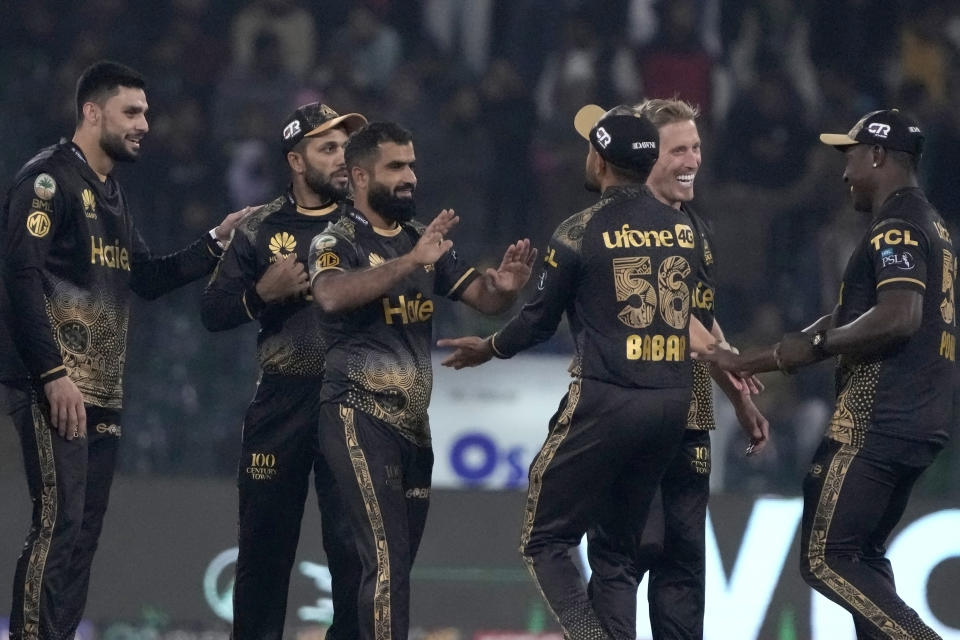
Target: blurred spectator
[(462, 29), (292, 26), (366, 51)]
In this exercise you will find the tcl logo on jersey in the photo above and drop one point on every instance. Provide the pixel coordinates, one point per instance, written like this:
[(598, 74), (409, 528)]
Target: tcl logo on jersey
[(893, 236), (407, 311), (681, 236), (109, 255)]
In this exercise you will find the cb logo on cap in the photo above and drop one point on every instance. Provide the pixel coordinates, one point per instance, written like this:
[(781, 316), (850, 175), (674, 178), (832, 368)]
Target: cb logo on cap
[(291, 130), (878, 129), (603, 138)]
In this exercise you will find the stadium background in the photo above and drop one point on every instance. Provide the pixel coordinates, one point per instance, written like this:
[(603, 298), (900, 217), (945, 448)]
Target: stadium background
[(489, 90)]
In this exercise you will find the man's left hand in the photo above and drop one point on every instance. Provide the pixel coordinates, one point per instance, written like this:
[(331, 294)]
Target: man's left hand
[(515, 268)]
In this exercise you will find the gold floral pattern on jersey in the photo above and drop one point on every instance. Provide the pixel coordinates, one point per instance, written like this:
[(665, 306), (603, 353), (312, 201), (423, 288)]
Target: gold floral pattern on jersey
[(700, 416), (817, 547), (395, 390), (854, 408), (90, 327), (361, 470), (636, 291), (674, 292)]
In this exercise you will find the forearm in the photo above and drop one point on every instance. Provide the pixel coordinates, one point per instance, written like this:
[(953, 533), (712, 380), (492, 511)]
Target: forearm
[(488, 299), (823, 323), (32, 333), (337, 291), (221, 310), (151, 277), (869, 334)]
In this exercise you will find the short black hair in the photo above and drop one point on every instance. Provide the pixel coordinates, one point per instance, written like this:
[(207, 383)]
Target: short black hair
[(364, 144), (100, 81)]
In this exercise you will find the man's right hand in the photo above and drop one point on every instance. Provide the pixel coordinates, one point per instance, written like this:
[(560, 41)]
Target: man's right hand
[(432, 244), (66, 408), (285, 278)]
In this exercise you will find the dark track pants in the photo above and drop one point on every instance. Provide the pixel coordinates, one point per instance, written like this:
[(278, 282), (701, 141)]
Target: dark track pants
[(69, 484), (384, 480), (279, 448), (599, 469), (672, 546), (852, 499)]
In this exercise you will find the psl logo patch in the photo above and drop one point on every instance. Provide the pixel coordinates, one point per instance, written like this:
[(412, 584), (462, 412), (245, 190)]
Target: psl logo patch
[(38, 224), (45, 186), (282, 243)]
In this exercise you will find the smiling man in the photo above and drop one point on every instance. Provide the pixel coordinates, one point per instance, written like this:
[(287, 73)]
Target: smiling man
[(71, 257), (375, 274), (263, 277), (893, 332)]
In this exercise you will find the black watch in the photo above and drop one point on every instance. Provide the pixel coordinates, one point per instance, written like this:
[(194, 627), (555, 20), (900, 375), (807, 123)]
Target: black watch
[(819, 344)]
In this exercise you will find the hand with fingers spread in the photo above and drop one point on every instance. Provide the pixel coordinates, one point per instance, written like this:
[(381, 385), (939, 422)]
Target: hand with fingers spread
[(515, 267), (285, 278), (470, 351), (224, 231), (432, 244), (67, 414)]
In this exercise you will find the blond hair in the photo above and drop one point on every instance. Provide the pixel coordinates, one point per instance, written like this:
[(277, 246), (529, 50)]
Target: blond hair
[(662, 111)]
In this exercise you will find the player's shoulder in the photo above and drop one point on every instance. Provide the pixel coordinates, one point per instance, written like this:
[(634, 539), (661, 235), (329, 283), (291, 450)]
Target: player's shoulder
[(345, 227), (46, 171), (415, 225), (252, 223), (570, 232)]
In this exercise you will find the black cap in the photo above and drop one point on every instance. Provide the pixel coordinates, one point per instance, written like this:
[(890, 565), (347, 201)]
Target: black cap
[(888, 128), (313, 119), (622, 136)]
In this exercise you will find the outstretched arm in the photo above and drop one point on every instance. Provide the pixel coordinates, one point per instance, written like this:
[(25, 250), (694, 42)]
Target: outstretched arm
[(496, 290)]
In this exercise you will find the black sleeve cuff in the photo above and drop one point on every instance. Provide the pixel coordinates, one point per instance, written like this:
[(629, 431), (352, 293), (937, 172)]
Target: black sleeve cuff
[(253, 303)]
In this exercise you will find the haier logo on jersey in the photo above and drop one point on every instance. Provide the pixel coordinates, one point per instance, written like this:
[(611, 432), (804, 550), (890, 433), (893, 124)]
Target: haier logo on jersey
[(113, 255), (682, 236), (893, 236), (407, 311)]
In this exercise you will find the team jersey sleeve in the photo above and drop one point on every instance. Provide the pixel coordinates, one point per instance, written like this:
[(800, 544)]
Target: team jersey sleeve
[(230, 298), (36, 213), (453, 276), (153, 276), (331, 251), (900, 253), (702, 303), (538, 319)]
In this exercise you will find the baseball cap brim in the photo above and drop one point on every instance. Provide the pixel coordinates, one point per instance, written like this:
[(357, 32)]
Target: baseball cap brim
[(350, 121), (587, 117), (837, 139)]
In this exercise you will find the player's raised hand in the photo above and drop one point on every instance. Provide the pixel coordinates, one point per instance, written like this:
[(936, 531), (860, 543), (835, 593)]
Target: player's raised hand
[(515, 267), (470, 351), (444, 223), (224, 230), (285, 278), (723, 357)]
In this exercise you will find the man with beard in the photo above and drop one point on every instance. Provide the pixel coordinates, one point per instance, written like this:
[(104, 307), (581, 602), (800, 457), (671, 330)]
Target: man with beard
[(71, 257), (893, 332), (262, 276), (374, 272)]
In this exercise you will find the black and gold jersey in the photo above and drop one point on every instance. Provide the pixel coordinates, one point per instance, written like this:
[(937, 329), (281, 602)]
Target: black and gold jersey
[(289, 341), (624, 271), (905, 392), (701, 416), (378, 355), (71, 256)]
